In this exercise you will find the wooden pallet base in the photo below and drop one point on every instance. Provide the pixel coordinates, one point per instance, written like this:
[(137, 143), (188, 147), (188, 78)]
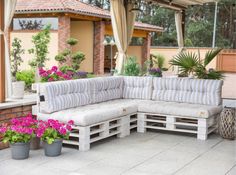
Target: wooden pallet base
[(200, 126), (84, 136)]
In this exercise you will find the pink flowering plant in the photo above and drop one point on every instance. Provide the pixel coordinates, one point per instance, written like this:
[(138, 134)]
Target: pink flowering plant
[(55, 74), (51, 130), (20, 130)]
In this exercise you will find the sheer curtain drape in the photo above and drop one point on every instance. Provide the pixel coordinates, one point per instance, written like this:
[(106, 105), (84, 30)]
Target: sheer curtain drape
[(122, 19), (9, 6)]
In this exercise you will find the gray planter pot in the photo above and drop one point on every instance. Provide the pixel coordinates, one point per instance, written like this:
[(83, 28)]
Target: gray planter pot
[(35, 143), (20, 150), (54, 149)]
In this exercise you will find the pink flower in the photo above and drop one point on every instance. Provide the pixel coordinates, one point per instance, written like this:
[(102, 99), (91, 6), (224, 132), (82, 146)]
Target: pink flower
[(3, 129), (54, 68), (41, 71), (68, 127), (45, 74), (50, 79), (49, 71), (71, 122), (59, 73)]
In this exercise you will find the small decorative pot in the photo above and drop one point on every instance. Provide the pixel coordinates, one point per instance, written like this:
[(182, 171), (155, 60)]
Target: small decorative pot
[(18, 89), (54, 149), (20, 151), (35, 143)]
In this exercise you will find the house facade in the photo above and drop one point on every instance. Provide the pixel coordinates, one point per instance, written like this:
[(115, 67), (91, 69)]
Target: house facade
[(72, 18)]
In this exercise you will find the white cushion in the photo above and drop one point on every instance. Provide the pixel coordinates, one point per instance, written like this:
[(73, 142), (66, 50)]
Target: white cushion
[(107, 88), (94, 113), (186, 90), (178, 109), (137, 88), (65, 94)]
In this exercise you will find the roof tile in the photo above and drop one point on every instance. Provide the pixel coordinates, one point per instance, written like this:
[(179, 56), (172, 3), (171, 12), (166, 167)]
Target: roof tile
[(73, 6)]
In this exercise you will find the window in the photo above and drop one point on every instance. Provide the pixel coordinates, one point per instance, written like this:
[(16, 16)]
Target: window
[(136, 41), (34, 23)]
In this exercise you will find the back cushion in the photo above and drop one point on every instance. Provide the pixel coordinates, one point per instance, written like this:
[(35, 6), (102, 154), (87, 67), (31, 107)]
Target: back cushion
[(107, 88), (65, 94), (137, 88), (185, 90)]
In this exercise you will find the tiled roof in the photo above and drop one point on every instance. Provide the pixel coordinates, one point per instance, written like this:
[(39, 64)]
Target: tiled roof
[(71, 6)]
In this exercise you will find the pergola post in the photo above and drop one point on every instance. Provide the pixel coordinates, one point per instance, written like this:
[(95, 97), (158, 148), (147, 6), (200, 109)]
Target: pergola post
[(183, 23), (146, 48), (2, 55)]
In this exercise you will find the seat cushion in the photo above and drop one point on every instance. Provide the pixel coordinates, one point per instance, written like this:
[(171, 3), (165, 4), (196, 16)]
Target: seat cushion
[(178, 109), (94, 113), (137, 88)]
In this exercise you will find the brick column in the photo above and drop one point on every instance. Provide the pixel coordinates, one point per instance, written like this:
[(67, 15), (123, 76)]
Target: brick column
[(98, 49), (63, 32), (146, 48)]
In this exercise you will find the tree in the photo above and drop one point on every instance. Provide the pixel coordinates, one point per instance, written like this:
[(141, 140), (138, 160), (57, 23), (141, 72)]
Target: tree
[(16, 59), (67, 55), (40, 49)]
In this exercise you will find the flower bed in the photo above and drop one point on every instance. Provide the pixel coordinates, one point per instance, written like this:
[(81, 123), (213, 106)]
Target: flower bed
[(55, 74)]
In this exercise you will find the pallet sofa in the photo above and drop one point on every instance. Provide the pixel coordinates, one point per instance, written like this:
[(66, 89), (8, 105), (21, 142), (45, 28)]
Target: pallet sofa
[(108, 106)]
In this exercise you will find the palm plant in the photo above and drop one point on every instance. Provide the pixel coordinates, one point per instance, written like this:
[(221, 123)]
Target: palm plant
[(186, 61), (159, 61), (190, 63)]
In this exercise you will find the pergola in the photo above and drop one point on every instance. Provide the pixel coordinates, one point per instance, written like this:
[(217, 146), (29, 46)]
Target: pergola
[(122, 23)]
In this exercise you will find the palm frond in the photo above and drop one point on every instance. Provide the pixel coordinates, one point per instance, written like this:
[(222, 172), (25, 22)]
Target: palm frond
[(210, 55), (186, 61), (159, 60)]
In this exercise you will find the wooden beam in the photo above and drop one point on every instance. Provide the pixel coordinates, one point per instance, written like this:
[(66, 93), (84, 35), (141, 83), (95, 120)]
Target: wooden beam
[(2, 55), (137, 33), (170, 4)]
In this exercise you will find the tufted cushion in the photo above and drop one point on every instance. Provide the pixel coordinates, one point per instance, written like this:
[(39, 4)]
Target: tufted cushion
[(107, 88), (137, 88), (185, 90), (65, 94), (94, 113), (178, 109)]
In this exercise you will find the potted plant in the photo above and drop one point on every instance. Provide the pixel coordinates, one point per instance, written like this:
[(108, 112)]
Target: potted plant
[(52, 133), (18, 87), (190, 64), (156, 72), (19, 134)]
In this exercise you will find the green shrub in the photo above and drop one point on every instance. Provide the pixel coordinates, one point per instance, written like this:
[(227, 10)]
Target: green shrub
[(28, 76), (72, 41), (131, 67)]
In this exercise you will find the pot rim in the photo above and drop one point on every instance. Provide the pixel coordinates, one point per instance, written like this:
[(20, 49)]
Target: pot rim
[(20, 143), (56, 140)]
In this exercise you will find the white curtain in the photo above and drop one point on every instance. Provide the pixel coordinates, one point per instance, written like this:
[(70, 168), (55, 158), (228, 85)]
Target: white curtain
[(179, 29), (180, 37), (9, 6), (122, 19)]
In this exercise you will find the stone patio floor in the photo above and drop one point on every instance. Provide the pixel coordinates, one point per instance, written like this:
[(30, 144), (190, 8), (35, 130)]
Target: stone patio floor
[(152, 153)]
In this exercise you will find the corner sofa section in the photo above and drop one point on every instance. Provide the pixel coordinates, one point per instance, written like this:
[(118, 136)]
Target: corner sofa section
[(107, 106)]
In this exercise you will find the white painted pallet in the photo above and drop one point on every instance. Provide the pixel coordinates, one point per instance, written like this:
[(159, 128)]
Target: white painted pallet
[(200, 126), (84, 136)]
